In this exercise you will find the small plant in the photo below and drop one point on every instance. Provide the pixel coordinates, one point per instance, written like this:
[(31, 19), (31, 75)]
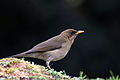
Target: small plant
[(23, 58), (81, 77), (113, 77)]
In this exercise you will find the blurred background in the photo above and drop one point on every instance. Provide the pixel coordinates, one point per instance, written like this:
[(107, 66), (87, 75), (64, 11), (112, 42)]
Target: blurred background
[(25, 23)]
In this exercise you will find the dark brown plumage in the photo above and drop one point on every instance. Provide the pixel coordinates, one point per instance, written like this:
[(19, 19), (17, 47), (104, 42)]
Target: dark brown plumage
[(54, 48)]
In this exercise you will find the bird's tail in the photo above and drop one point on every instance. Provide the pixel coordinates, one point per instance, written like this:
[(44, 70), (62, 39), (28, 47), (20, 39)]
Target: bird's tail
[(17, 55), (20, 55)]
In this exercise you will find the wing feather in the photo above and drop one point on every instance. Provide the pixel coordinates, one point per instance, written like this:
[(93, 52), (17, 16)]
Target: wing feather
[(50, 44)]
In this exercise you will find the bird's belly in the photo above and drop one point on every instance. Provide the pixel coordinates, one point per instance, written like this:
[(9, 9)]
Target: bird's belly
[(55, 54), (59, 58), (58, 54)]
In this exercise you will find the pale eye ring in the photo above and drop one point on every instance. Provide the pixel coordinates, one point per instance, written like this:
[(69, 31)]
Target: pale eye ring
[(72, 32)]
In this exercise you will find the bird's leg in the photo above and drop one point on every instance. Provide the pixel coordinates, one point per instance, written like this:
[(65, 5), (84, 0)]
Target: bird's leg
[(47, 63)]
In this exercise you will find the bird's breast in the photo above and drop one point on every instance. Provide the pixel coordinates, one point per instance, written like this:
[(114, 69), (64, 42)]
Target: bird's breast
[(60, 53)]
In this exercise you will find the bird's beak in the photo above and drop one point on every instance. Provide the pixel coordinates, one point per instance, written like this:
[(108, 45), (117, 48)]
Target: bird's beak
[(79, 32)]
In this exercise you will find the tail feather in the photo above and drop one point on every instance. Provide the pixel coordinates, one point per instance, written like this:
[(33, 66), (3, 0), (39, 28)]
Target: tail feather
[(17, 55), (20, 55)]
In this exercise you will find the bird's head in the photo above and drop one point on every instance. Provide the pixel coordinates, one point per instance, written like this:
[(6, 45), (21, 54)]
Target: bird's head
[(71, 34)]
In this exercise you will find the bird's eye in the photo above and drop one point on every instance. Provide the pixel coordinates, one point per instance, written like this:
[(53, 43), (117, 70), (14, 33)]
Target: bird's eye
[(72, 32)]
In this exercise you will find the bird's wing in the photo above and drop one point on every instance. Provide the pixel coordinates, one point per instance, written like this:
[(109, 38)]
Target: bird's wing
[(50, 44)]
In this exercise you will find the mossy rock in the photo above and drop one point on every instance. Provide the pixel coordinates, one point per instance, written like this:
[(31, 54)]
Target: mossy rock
[(19, 69)]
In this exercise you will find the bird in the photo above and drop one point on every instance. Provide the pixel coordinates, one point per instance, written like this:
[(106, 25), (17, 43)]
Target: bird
[(53, 49)]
